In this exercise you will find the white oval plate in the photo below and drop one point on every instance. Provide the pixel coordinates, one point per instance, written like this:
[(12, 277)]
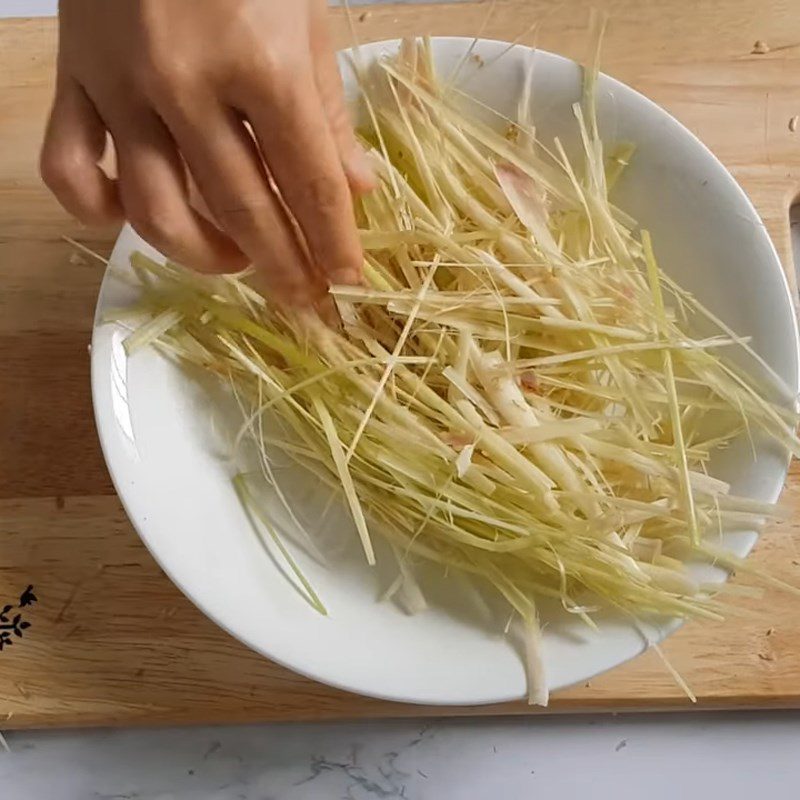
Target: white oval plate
[(155, 424)]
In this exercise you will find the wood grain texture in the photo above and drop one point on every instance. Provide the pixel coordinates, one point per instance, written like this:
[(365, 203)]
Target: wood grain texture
[(111, 640)]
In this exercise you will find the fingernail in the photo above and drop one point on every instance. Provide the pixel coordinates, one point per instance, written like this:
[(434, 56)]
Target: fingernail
[(293, 295), (360, 171), (344, 276)]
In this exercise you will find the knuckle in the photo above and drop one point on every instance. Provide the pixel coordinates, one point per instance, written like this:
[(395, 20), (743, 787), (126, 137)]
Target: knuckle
[(339, 121), (57, 170), (67, 178), (269, 63), (156, 223), (166, 76), (269, 73), (324, 193), (246, 214), (274, 65)]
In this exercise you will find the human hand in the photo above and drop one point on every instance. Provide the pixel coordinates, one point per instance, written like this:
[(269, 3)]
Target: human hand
[(177, 83)]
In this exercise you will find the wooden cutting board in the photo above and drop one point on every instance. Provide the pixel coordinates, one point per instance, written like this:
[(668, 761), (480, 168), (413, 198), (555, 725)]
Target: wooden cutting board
[(109, 639)]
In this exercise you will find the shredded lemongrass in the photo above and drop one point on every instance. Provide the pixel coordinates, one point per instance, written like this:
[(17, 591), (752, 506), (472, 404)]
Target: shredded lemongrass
[(516, 392), (254, 509)]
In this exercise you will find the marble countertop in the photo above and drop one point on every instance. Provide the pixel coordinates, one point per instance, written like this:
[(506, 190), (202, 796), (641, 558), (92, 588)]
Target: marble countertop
[(653, 756), (657, 757)]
